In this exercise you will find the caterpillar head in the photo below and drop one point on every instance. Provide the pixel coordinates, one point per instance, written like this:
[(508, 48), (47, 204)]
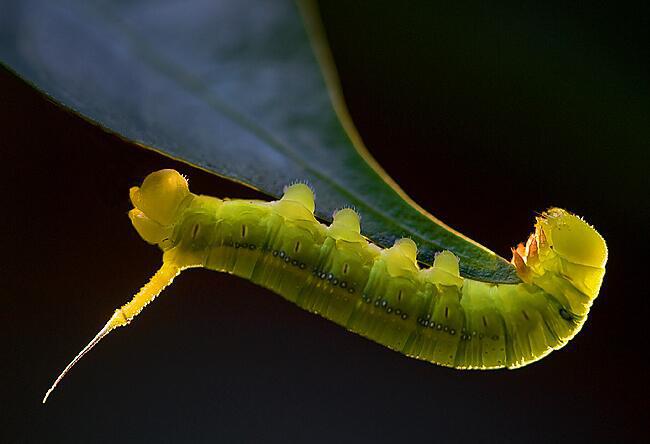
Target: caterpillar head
[(157, 203), (571, 238), (563, 254)]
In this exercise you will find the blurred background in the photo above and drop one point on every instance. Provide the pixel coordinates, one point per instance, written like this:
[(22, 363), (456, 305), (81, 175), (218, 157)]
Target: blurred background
[(483, 114)]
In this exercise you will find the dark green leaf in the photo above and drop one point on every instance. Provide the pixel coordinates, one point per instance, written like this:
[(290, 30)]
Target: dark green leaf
[(232, 87)]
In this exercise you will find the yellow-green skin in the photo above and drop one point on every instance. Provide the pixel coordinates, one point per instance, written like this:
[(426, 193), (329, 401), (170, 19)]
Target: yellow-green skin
[(432, 314)]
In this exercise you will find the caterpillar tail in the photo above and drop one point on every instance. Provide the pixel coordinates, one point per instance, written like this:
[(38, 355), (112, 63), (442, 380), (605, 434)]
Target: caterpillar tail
[(125, 314)]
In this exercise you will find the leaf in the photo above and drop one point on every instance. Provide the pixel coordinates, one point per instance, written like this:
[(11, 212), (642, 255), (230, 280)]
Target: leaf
[(232, 87)]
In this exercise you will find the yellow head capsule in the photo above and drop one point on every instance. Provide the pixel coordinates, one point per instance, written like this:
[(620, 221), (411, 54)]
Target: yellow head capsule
[(572, 238)]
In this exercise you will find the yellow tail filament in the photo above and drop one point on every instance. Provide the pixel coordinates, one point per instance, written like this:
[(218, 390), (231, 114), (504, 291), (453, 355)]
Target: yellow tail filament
[(122, 316)]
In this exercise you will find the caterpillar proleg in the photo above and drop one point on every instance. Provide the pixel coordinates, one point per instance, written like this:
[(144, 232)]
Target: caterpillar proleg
[(433, 314)]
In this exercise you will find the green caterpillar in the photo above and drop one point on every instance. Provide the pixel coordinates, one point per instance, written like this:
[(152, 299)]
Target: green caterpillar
[(432, 314)]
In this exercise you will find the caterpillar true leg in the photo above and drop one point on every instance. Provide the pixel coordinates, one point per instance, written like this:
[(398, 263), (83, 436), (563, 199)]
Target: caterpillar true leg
[(432, 314)]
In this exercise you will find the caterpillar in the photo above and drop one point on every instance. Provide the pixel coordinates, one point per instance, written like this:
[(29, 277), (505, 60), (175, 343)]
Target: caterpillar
[(433, 314)]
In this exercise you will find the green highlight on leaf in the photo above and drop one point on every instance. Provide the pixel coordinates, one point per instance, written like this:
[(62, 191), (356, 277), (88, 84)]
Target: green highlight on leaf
[(244, 90)]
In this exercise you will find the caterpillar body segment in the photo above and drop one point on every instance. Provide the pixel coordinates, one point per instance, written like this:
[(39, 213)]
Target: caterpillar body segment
[(432, 314)]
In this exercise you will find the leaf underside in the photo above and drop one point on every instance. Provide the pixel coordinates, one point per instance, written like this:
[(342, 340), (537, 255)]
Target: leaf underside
[(234, 87)]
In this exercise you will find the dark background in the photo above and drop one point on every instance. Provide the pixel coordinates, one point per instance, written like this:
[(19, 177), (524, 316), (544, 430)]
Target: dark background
[(483, 115)]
